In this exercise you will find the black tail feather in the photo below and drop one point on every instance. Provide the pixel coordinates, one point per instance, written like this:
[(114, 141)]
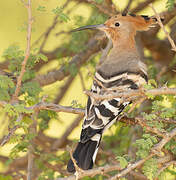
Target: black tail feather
[(83, 155)]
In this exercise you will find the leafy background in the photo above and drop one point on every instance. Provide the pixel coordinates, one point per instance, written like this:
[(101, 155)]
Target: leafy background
[(121, 143)]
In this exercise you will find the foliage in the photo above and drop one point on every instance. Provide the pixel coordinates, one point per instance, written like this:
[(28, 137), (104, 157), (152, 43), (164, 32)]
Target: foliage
[(170, 4), (59, 12), (150, 168), (123, 144)]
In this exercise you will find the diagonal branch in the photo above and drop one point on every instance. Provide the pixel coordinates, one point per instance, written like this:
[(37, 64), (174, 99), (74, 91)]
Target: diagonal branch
[(155, 150), (141, 6), (78, 60), (163, 28), (23, 65)]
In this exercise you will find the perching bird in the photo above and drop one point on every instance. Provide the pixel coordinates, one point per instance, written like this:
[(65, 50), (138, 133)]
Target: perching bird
[(121, 69)]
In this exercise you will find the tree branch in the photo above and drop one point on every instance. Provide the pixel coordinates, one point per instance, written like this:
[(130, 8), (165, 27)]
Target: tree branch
[(31, 149), (130, 167), (95, 171), (27, 54), (163, 28), (62, 140), (141, 6), (154, 151), (93, 46), (133, 93), (56, 108)]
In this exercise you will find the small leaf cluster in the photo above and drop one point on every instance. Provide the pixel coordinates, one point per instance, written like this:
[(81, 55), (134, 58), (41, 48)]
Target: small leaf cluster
[(150, 168), (144, 145), (59, 12), (16, 110), (51, 159), (7, 87), (46, 116), (123, 161), (170, 4), (8, 177), (22, 145)]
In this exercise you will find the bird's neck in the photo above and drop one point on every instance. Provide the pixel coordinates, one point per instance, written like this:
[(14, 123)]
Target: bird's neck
[(124, 46)]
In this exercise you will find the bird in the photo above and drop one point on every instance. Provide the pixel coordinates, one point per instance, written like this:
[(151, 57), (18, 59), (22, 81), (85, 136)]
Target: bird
[(122, 69)]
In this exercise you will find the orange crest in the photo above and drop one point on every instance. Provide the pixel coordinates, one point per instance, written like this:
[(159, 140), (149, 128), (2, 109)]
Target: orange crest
[(131, 21)]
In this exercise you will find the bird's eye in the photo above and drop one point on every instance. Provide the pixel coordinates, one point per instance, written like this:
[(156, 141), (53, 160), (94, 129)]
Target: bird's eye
[(117, 24)]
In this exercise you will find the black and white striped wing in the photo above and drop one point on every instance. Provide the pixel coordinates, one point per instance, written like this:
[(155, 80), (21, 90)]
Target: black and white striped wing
[(100, 115)]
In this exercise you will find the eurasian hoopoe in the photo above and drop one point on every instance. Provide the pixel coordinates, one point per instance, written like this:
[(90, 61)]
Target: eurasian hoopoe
[(121, 69)]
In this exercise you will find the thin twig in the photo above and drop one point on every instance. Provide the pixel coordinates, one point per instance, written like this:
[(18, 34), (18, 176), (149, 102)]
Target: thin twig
[(79, 59), (125, 11), (163, 28), (27, 53), (100, 7), (64, 89), (82, 80), (49, 30), (11, 131), (136, 103), (130, 167), (165, 167), (141, 6), (132, 93), (157, 148), (56, 108), (143, 123), (63, 139)]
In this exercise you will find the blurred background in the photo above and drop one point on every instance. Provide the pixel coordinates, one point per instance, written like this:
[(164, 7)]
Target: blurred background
[(67, 68)]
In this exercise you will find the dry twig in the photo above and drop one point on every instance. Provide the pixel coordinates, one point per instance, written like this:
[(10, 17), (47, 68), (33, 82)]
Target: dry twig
[(133, 93), (163, 28), (27, 53), (165, 167), (157, 148)]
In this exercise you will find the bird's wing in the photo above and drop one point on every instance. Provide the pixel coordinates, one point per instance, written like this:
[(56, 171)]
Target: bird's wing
[(102, 114)]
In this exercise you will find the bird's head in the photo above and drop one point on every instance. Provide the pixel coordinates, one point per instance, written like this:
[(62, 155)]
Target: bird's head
[(123, 25)]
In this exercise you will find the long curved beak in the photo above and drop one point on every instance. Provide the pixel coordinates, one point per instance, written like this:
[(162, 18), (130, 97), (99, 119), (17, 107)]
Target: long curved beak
[(98, 26)]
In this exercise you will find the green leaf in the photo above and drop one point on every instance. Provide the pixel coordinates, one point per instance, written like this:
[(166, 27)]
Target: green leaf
[(152, 82), (32, 88), (10, 110), (64, 17), (15, 110), (15, 139), (4, 95), (98, 1), (59, 11), (6, 82), (170, 4), (42, 57), (20, 108), (13, 52), (144, 145), (75, 104), (123, 161), (41, 8), (8, 177), (168, 112), (150, 168)]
